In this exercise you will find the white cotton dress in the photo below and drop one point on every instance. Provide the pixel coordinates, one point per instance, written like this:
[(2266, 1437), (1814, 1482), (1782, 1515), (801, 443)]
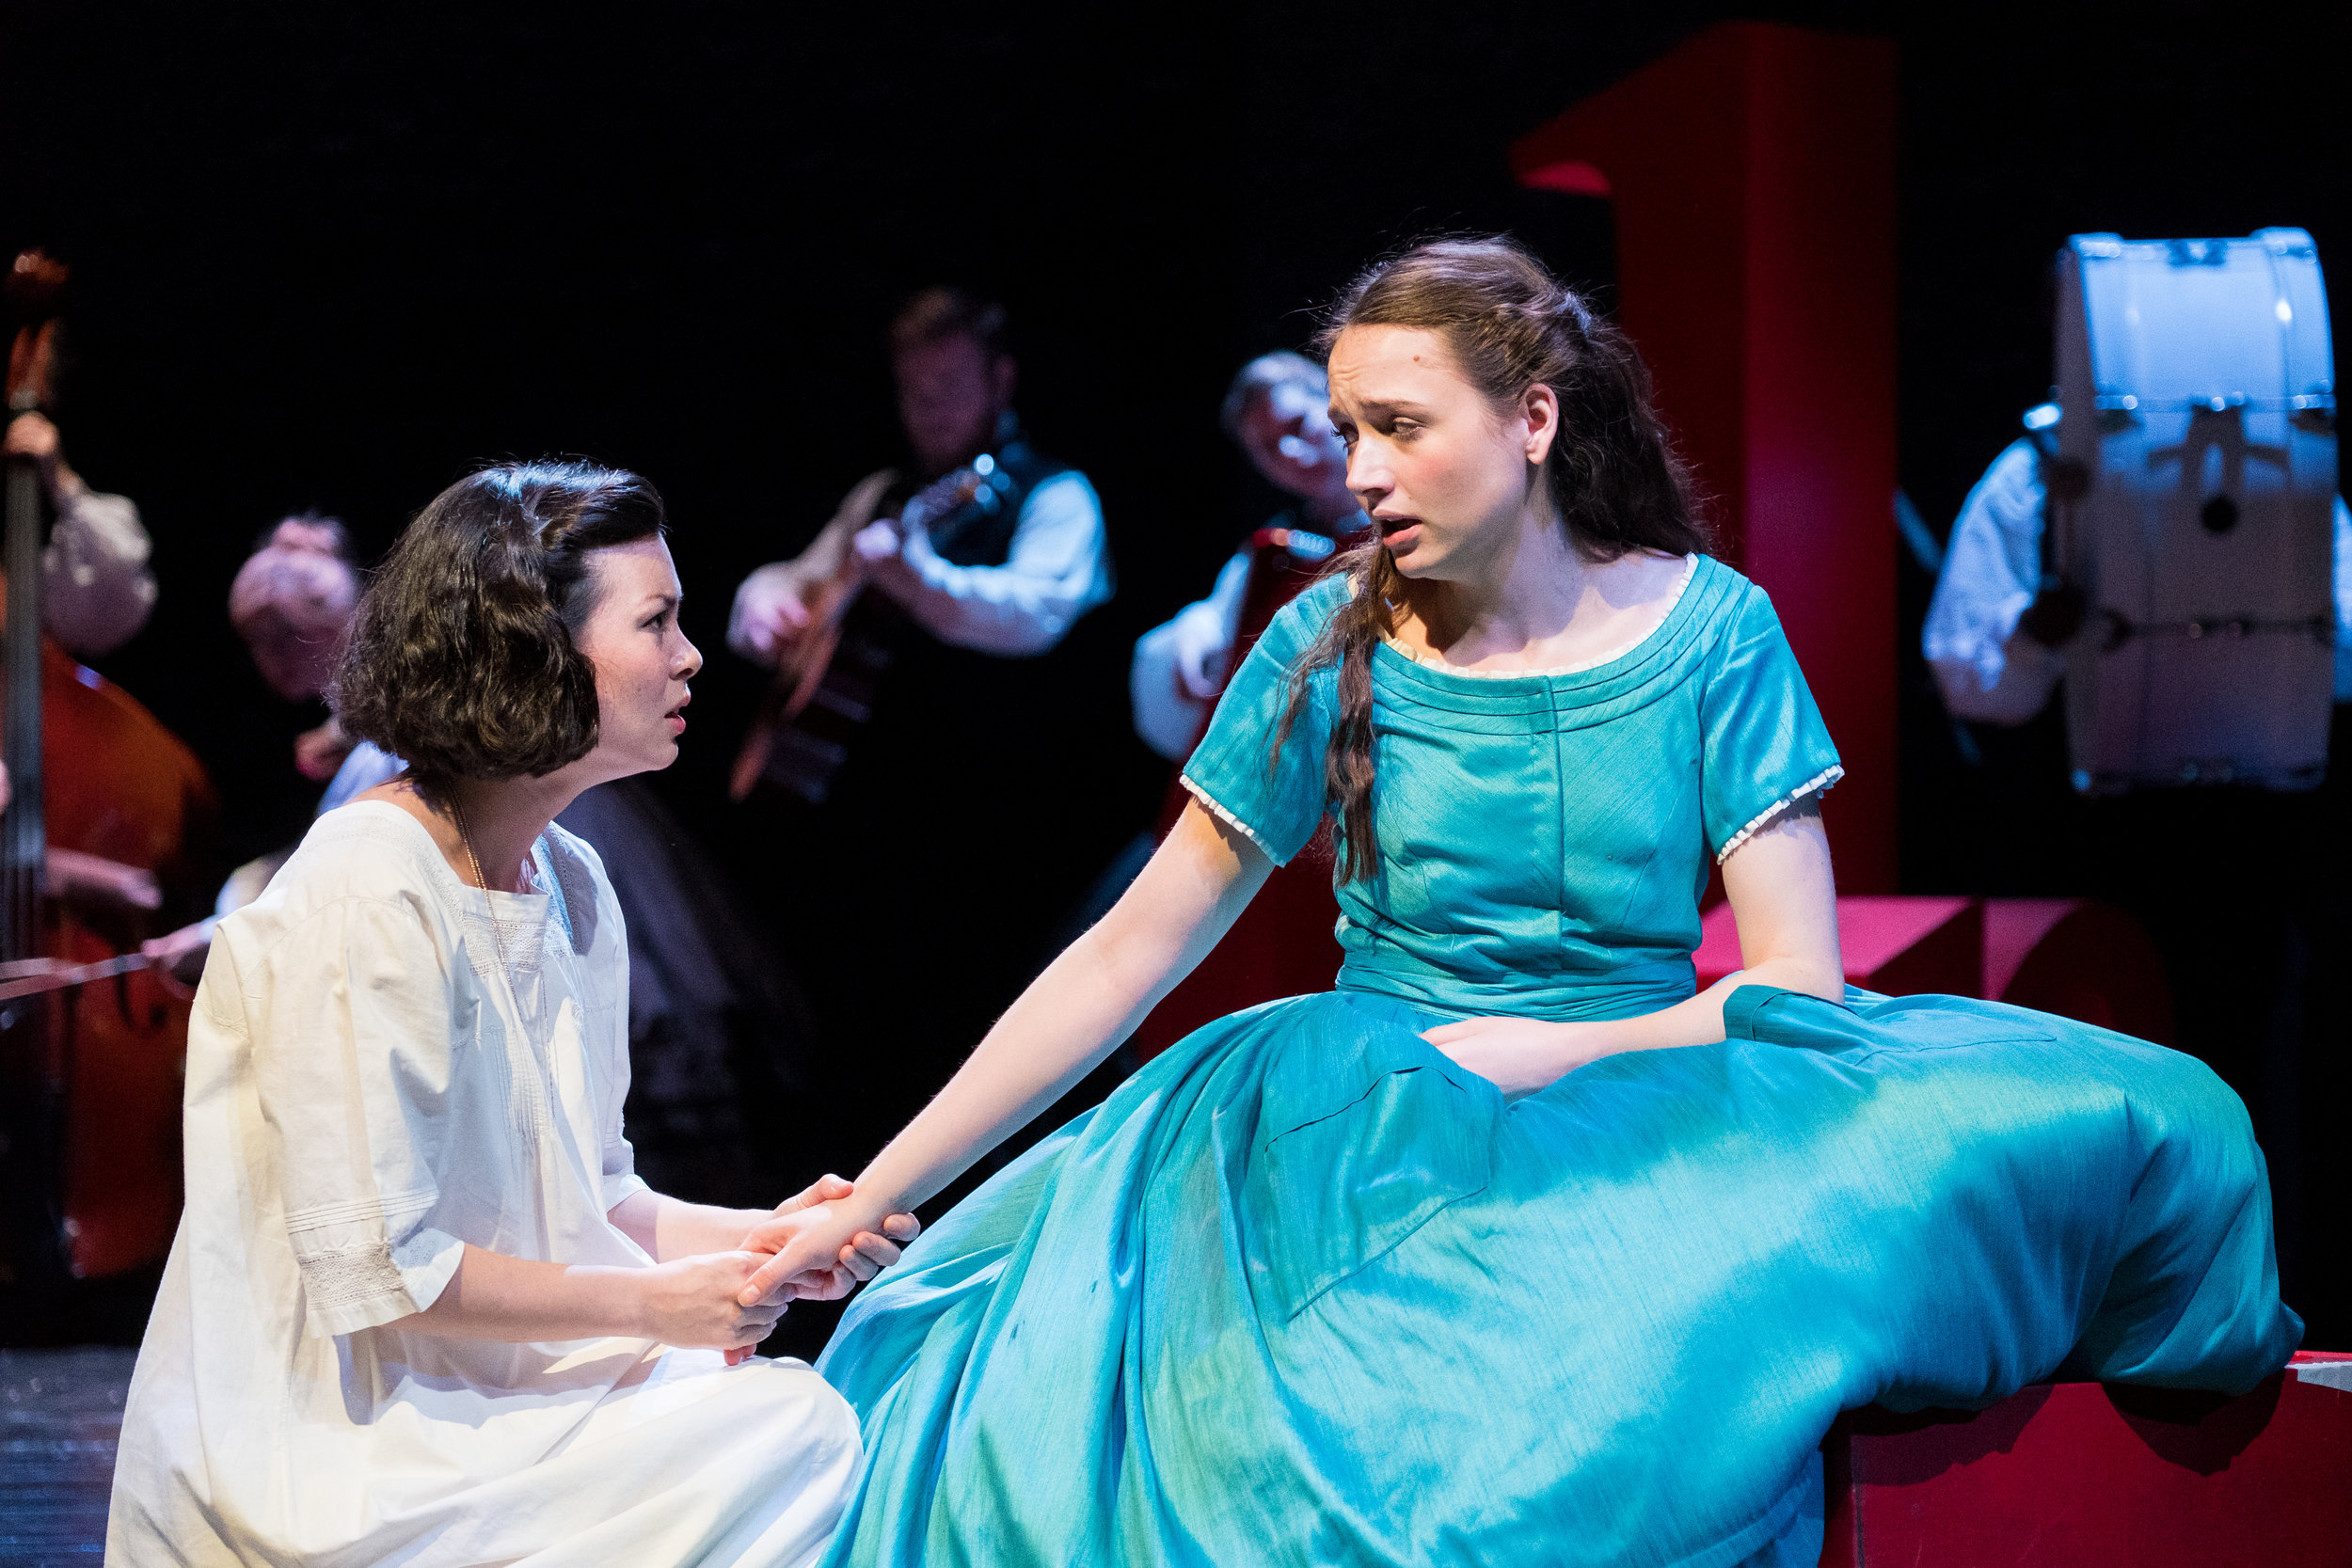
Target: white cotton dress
[(369, 1087)]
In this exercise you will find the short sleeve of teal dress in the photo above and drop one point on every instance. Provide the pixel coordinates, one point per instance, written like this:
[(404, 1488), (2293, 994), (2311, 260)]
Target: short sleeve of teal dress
[(1277, 798), (1764, 742)]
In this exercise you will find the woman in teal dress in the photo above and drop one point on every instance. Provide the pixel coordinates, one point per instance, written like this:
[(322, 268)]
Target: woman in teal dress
[(1511, 1248)]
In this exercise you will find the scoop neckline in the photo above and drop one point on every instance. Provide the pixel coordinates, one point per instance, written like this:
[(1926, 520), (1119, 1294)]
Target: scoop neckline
[(440, 863), (1581, 667)]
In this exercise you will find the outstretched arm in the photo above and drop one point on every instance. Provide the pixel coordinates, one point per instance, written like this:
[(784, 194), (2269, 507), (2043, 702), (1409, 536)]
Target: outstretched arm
[(1786, 904), (1087, 1000), (670, 1228)]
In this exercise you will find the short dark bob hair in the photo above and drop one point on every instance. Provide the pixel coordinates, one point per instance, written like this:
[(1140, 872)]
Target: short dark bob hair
[(463, 659)]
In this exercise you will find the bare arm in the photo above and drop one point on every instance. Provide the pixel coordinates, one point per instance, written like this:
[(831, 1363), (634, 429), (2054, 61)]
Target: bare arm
[(669, 1228), (687, 1298), (1786, 904), (1087, 1000), (690, 1302)]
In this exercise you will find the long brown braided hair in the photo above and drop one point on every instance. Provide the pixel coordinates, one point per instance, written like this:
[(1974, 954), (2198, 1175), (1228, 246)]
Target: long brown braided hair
[(1611, 472)]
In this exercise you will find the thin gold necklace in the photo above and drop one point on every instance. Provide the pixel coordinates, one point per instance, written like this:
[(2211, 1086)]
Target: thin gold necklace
[(498, 927)]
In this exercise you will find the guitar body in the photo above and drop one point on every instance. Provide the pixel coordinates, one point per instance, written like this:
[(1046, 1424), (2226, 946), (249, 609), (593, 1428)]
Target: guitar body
[(832, 697), (827, 687)]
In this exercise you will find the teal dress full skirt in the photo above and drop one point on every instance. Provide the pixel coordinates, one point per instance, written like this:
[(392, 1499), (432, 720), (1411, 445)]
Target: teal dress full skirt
[(1304, 1291)]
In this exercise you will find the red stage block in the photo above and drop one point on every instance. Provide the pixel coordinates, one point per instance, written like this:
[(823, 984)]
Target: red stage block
[(1751, 175), (1898, 946), (2088, 961), (2085, 1475)]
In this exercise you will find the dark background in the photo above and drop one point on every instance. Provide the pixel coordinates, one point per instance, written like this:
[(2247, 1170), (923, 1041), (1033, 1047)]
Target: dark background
[(327, 258), (330, 260)]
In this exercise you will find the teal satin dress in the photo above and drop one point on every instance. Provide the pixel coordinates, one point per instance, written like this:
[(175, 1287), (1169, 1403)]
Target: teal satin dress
[(1304, 1291)]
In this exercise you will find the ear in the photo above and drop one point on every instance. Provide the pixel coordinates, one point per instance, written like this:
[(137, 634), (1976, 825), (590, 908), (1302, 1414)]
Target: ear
[(1005, 373), (1539, 408)]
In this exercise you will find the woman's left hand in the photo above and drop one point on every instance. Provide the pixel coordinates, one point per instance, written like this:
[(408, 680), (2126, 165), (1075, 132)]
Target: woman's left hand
[(1518, 1055)]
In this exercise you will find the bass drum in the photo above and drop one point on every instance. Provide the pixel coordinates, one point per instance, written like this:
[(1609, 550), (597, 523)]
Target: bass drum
[(2198, 386)]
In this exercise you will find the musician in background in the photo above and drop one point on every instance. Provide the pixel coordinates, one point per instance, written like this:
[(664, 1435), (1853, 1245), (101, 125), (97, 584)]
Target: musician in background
[(96, 588), (1994, 633), (1012, 592), (96, 593), (1277, 411), (292, 602), (2240, 888), (944, 706)]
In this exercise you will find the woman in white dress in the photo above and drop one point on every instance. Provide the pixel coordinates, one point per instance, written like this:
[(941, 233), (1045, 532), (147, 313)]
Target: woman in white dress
[(419, 1309)]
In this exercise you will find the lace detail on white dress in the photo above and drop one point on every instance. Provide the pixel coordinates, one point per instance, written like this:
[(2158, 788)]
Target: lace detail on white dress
[(1815, 785), (363, 1275), (1689, 569)]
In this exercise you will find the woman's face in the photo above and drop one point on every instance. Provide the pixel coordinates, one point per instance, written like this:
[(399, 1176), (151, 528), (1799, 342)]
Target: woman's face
[(1445, 474), (642, 660)]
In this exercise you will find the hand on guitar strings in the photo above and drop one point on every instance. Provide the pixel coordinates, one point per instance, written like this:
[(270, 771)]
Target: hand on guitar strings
[(772, 613)]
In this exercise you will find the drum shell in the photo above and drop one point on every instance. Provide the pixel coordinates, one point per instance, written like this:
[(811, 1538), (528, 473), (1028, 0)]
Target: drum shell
[(2194, 376)]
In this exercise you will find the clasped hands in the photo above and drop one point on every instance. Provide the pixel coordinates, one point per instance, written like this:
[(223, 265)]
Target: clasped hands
[(814, 1271), (858, 1258)]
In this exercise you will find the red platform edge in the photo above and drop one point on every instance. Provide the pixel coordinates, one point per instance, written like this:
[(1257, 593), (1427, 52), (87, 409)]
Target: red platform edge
[(2086, 1474)]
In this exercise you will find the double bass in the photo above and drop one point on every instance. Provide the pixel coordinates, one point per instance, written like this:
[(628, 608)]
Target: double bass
[(92, 1038)]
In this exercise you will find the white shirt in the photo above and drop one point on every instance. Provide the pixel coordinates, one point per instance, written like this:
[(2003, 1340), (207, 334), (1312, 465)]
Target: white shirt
[(1170, 714), (1057, 569), (377, 1075), (1987, 669), (96, 589)]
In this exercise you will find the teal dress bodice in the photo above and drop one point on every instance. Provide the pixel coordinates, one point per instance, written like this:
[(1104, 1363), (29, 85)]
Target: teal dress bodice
[(1544, 839), (1304, 1290)]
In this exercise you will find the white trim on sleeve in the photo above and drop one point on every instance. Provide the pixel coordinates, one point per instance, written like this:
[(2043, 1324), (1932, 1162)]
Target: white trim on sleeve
[(1211, 801), (1819, 783)]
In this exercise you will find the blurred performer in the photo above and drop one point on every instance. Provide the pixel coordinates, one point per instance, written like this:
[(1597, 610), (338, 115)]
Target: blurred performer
[(288, 603), (947, 580), (291, 602), (96, 589), (1277, 412), (96, 593), (1013, 588), (2247, 889), (1994, 631)]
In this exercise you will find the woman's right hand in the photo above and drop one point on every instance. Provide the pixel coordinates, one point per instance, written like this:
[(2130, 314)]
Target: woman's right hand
[(691, 1303)]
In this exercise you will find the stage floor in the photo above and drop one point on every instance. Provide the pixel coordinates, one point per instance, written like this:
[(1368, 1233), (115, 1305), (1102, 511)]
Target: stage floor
[(60, 1411)]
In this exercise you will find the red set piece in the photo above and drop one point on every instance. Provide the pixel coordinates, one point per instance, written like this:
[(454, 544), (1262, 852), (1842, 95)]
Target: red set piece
[(2082, 1475)]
